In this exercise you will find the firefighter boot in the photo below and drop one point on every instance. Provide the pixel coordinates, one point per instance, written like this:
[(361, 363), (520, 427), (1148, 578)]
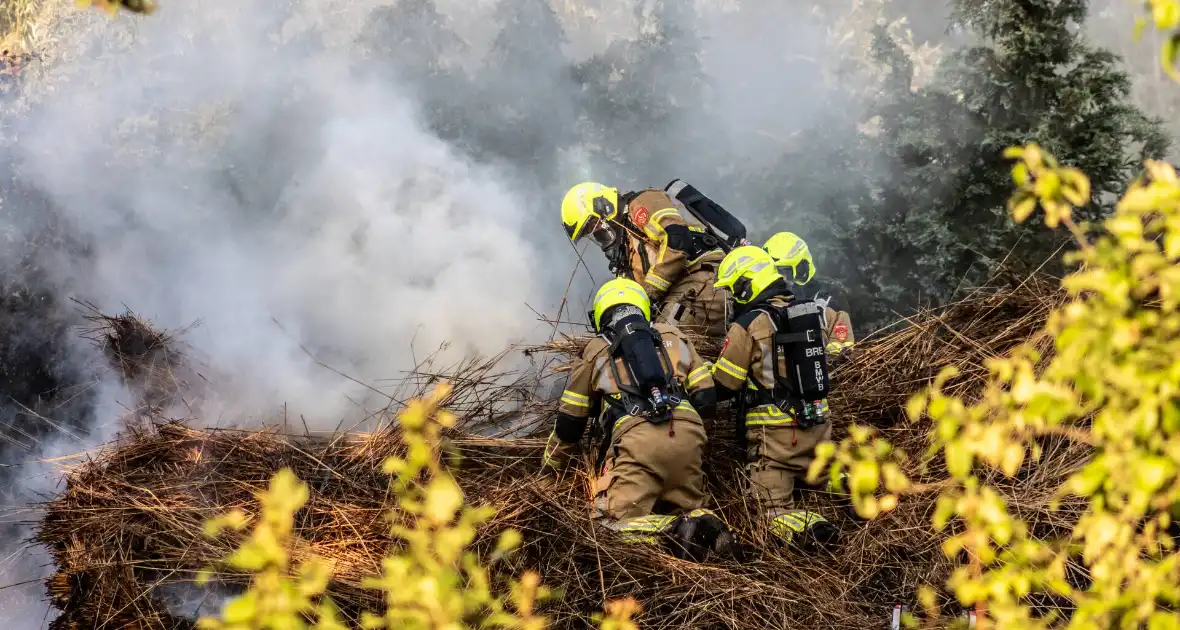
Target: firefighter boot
[(809, 529), (697, 534), (823, 534)]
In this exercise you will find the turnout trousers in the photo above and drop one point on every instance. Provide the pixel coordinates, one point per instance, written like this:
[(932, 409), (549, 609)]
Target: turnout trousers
[(777, 459), (646, 463)]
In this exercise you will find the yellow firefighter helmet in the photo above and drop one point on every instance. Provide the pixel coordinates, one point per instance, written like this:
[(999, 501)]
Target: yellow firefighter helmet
[(792, 257), (585, 207), (620, 291), (745, 272)]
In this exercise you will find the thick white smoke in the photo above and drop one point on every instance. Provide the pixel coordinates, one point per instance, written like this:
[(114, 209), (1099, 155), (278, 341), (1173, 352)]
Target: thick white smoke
[(245, 185), (289, 202)]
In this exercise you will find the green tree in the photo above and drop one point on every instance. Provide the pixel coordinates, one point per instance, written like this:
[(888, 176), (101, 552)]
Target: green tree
[(412, 44), (513, 121), (411, 38), (936, 222), (637, 95)]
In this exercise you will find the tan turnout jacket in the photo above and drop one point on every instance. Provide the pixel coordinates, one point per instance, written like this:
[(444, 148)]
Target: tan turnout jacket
[(680, 287)]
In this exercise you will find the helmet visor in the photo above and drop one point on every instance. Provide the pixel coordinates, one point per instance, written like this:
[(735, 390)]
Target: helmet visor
[(802, 272)]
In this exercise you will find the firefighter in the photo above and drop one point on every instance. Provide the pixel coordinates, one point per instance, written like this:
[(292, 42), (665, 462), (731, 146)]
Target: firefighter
[(646, 389), (793, 259), (774, 360), (646, 239)]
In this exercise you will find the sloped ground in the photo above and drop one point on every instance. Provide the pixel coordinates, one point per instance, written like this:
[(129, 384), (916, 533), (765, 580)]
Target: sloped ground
[(128, 527)]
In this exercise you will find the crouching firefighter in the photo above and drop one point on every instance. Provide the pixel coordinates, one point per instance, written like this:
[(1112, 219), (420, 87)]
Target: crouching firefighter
[(642, 384), (793, 259), (646, 238), (774, 361)]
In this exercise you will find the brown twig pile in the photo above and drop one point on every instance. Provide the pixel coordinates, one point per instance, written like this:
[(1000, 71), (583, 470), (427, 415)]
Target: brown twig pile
[(154, 364), (127, 529)]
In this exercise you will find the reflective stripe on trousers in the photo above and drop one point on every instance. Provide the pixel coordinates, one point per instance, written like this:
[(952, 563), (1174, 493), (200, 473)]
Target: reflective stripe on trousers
[(648, 529), (787, 524)]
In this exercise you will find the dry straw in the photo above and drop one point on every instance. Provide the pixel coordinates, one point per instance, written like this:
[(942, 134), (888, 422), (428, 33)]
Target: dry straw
[(130, 521)]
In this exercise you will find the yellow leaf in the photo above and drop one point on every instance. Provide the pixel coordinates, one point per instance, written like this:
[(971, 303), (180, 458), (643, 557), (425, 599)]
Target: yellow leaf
[(864, 477), (1172, 246), (944, 375), (287, 493), (817, 465), (240, 610), (958, 459), (248, 557), (895, 479), (928, 598), (509, 539), (1055, 212), (1021, 207), (1048, 185), (860, 433), (1168, 53), (1020, 174), (369, 621), (915, 405), (313, 577), (1013, 458), (1032, 154), (236, 519), (825, 450), (1073, 195), (443, 500), (1153, 472), (1166, 14), (1161, 172), (1102, 532), (944, 509), (1163, 621), (867, 508)]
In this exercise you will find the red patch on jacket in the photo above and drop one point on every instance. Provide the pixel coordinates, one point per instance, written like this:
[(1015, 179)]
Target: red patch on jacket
[(840, 331), (639, 216), (724, 346)]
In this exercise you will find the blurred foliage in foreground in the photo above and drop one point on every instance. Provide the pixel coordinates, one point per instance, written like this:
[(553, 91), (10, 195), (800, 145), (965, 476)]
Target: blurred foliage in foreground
[(434, 581)]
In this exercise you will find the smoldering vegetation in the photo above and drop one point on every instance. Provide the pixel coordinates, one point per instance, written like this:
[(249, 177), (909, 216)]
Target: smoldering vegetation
[(126, 534)]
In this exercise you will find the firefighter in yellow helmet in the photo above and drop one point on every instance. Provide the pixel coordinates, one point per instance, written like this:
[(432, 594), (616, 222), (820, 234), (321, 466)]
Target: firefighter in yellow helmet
[(646, 389), (793, 259), (646, 239), (774, 362)]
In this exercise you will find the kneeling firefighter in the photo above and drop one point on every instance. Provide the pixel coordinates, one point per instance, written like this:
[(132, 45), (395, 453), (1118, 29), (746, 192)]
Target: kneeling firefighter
[(793, 259), (774, 361), (643, 385), (647, 239)]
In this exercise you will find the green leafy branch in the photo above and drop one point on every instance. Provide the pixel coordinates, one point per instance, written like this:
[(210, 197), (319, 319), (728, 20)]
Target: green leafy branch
[(276, 599), (433, 581)]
